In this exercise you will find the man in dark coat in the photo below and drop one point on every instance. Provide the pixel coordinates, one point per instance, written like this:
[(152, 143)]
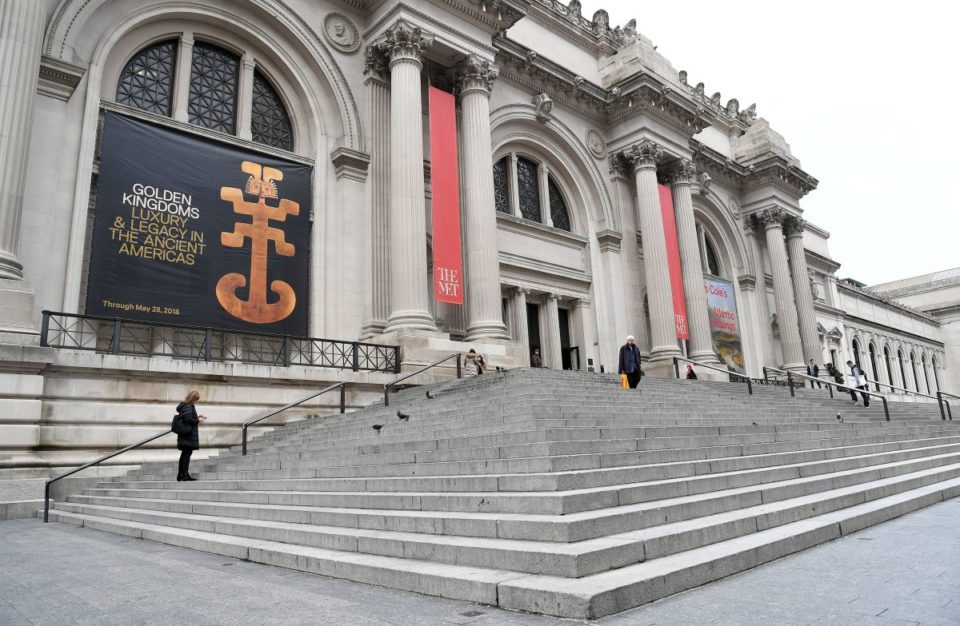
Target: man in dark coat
[(814, 370), (859, 381), (630, 362)]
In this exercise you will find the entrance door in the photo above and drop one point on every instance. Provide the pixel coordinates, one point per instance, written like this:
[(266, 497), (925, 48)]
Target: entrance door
[(533, 327), (564, 316)]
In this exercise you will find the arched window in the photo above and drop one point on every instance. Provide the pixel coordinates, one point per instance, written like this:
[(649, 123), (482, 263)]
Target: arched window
[(213, 101), (708, 253), (913, 368), (886, 359), (146, 82), (528, 185), (873, 365), (269, 122), (548, 206), (903, 370), (856, 353), (926, 378), (558, 207), (501, 192)]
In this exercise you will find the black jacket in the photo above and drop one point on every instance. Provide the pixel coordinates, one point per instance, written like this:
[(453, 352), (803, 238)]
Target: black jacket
[(191, 440), (813, 370), (622, 369)]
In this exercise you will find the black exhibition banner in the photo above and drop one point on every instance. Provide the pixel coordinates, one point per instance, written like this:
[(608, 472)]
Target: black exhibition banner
[(195, 232)]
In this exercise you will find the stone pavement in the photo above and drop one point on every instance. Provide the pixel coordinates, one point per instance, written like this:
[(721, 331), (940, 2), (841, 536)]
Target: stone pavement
[(906, 571)]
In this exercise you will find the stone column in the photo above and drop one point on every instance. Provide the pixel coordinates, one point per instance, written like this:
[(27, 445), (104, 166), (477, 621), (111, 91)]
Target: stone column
[(550, 333), (807, 316), (698, 319), (404, 44), (521, 328), (543, 172), (377, 303), (245, 98), (643, 157), (484, 319), (21, 35), (514, 185), (772, 220), (181, 88)]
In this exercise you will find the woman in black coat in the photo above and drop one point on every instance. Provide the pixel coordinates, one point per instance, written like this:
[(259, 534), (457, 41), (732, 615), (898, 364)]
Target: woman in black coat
[(189, 441)]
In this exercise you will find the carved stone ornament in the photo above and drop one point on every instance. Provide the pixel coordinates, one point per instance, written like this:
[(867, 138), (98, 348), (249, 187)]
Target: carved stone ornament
[(341, 33), (375, 62), (477, 73), (771, 218), (404, 40), (601, 22), (596, 145), (683, 173), (794, 227), (543, 105), (643, 154), (734, 205)]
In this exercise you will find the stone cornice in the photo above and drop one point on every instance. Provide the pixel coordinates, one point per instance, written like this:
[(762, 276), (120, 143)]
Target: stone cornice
[(58, 79), (723, 169), (904, 337), (827, 262), (777, 172), (350, 164), (886, 300), (609, 241)]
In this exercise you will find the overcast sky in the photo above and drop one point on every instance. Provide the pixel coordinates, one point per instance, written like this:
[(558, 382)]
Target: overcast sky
[(865, 93)]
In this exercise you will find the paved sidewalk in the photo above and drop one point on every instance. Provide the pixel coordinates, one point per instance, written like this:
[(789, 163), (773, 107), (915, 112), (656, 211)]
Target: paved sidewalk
[(903, 572)]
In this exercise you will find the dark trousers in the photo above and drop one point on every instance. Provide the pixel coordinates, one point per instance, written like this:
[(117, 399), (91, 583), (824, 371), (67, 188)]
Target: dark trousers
[(815, 383), (866, 398), (183, 469), (634, 379)]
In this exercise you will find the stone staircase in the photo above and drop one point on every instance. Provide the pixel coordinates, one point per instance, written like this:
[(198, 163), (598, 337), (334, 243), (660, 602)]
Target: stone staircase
[(544, 491)]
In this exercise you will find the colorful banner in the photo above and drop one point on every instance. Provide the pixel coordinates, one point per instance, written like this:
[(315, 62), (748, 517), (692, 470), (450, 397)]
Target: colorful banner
[(673, 262), (195, 232), (724, 325), (447, 261)]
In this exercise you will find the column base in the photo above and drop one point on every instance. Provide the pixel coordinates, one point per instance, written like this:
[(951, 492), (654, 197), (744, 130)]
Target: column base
[(372, 329), (17, 325), (708, 358), (419, 348), (480, 331), (410, 320)]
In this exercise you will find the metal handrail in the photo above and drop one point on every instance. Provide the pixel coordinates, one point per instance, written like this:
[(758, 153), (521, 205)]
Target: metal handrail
[(676, 369), (343, 408), (46, 487), (766, 376), (895, 388), (792, 375), (941, 402), (386, 388)]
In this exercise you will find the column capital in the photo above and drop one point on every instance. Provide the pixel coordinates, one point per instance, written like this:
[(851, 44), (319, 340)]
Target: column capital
[(771, 218), (375, 63), (405, 42), (644, 154), (794, 227), (477, 75), (684, 172)]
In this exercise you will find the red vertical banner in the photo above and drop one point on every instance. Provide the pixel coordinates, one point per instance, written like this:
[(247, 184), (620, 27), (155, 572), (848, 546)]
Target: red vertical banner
[(673, 261), (447, 259)]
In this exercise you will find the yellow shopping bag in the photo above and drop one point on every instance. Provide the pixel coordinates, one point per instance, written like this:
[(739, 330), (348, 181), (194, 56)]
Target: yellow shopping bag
[(624, 381)]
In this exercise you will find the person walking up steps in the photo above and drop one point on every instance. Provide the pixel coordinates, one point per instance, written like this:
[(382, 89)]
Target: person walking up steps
[(630, 362), (858, 380), (189, 440), (814, 370)]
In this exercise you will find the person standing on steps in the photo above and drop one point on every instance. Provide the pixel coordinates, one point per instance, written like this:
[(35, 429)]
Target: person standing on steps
[(474, 364), (691, 375), (535, 359), (189, 441), (630, 362), (814, 370), (858, 380)]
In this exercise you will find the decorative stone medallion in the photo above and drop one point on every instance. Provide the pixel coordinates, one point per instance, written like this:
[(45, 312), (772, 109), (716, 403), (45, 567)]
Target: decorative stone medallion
[(341, 32), (596, 145)]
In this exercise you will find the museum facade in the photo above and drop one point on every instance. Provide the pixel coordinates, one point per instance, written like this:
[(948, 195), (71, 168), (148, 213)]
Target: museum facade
[(595, 192)]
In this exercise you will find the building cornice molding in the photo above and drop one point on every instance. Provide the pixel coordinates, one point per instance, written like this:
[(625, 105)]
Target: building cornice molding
[(886, 300), (58, 79), (543, 232), (778, 172), (860, 324)]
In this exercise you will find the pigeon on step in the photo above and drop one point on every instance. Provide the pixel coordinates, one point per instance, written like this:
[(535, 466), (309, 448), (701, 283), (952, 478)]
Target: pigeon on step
[(429, 395), (402, 416), (377, 427)]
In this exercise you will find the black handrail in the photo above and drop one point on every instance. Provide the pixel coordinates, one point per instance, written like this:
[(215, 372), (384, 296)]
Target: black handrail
[(766, 377), (903, 389), (46, 488), (386, 388), (676, 369), (792, 375), (941, 402), (343, 408)]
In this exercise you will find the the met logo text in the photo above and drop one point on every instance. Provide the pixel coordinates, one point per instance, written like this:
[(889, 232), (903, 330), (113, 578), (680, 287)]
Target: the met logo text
[(448, 281)]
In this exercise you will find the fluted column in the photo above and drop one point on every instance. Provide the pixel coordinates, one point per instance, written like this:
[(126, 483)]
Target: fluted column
[(772, 220), (377, 298), (181, 87), (404, 44), (521, 328), (550, 333), (754, 233), (21, 35), (698, 318), (245, 99), (543, 172), (807, 316), (484, 317), (514, 186), (643, 157)]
